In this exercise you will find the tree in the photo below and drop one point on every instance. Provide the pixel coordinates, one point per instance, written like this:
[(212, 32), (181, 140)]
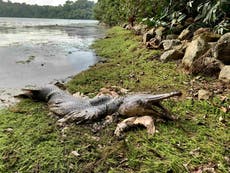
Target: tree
[(210, 13), (81, 9)]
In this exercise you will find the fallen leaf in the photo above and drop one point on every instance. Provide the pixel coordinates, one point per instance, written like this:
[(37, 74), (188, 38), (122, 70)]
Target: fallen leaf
[(195, 151), (224, 109), (75, 153), (223, 98)]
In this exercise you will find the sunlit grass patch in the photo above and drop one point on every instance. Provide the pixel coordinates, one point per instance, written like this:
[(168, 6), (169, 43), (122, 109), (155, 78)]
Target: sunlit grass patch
[(128, 65)]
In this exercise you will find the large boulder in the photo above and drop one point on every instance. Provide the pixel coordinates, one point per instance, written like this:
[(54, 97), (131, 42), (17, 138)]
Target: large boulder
[(194, 50), (206, 65), (171, 55), (206, 35), (225, 74), (169, 44), (222, 49)]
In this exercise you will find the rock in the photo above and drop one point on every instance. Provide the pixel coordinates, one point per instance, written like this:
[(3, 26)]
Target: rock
[(201, 30), (222, 49), (186, 34), (225, 74), (154, 43), (137, 29), (171, 55), (147, 37), (212, 45), (152, 31), (160, 31), (206, 65), (171, 36), (140, 29), (196, 48), (125, 25), (204, 94), (207, 36), (169, 44), (128, 27), (182, 47)]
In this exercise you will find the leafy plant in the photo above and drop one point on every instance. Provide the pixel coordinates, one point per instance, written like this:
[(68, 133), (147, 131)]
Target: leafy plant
[(208, 12), (222, 27), (213, 13)]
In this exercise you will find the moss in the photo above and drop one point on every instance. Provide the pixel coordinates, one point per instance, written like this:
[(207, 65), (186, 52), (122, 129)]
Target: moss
[(31, 142)]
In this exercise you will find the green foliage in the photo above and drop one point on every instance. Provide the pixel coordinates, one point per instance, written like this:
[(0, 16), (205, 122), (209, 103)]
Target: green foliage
[(209, 13), (80, 9), (108, 11), (114, 12), (213, 13)]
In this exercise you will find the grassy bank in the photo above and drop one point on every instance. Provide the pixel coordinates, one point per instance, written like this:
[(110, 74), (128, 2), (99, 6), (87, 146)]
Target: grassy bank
[(31, 142)]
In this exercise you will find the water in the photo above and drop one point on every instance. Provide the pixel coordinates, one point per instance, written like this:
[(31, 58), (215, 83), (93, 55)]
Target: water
[(38, 51)]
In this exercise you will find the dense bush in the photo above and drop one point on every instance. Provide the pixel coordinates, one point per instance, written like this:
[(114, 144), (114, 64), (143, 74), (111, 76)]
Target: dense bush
[(211, 13), (113, 12)]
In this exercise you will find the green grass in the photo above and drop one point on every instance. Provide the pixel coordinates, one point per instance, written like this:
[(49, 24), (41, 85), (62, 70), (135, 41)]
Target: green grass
[(31, 142), (128, 65)]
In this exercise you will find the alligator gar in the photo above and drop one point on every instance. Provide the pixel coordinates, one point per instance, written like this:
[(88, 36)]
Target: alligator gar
[(85, 110)]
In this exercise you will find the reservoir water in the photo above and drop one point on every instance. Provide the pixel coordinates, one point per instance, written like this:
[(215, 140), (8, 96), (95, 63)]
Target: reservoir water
[(38, 51)]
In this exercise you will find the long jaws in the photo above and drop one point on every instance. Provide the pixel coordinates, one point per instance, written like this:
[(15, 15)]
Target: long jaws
[(155, 101), (159, 97)]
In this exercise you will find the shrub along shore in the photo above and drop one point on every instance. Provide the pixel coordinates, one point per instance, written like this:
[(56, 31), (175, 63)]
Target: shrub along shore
[(199, 141)]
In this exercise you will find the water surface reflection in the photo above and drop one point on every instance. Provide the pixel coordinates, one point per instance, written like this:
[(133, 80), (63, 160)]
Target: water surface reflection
[(37, 51)]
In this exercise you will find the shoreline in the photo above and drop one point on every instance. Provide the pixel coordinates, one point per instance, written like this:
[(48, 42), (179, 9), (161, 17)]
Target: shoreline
[(7, 94)]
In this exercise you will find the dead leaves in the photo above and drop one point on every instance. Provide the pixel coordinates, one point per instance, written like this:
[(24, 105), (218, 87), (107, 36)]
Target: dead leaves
[(208, 168)]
